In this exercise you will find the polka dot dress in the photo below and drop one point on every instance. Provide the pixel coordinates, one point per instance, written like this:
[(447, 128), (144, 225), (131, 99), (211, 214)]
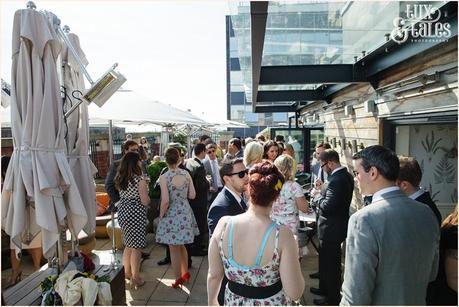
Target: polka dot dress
[(132, 216)]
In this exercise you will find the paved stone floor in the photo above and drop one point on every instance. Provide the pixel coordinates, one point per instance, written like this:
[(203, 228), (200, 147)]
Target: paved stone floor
[(157, 290)]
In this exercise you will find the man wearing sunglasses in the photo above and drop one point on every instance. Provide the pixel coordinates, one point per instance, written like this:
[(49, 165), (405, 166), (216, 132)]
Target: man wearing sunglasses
[(213, 171), (333, 207), (229, 201)]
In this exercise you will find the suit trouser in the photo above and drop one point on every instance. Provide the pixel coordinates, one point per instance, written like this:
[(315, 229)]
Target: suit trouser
[(330, 270), (200, 213)]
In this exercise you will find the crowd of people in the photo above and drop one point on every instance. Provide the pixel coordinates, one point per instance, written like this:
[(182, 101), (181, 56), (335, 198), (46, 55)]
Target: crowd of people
[(241, 208)]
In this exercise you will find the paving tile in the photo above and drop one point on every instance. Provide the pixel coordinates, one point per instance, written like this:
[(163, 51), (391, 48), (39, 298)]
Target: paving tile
[(198, 295), (152, 274), (164, 292), (135, 302), (154, 302), (143, 293)]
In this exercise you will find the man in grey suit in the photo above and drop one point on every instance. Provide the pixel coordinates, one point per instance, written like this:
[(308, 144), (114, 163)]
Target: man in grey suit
[(213, 170), (392, 244), (234, 149)]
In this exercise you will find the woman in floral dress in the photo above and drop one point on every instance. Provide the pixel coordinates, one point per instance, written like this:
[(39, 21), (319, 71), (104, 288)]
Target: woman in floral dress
[(177, 225), (291, 200), (262, 268)]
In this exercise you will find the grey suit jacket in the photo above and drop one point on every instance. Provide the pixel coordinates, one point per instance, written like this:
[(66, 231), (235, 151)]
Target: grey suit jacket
[(391, 253), (208, 168)]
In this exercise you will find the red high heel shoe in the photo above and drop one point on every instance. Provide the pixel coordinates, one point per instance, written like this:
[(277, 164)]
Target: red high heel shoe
[(186, 277), (177, 283)]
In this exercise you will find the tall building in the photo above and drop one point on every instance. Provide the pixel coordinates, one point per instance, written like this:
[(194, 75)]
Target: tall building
[(238, 107)]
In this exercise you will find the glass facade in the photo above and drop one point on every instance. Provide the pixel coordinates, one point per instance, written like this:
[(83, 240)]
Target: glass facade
[(239, 106), (314, 33)]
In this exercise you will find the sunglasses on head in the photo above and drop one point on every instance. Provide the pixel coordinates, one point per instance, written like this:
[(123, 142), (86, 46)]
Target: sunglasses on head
[(240, 174)]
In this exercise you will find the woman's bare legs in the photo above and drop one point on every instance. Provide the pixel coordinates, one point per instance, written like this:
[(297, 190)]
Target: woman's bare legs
[(36, 257), (176, 262), (127, 262), (183, 260), (15, 267), (135, 264)]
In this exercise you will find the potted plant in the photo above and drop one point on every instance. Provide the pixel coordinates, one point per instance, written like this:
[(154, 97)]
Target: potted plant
[(154, 171)]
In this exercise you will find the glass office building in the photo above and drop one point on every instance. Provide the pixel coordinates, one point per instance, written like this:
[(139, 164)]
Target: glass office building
[(239, 105)]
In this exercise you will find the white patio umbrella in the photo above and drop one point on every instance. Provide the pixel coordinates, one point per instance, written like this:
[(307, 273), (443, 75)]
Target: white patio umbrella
[(38, 171), (78, 132), (128, 107)]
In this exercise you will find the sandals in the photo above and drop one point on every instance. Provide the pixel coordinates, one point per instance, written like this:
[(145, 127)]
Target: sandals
[(137, 283), (15, 281), (184, 279)]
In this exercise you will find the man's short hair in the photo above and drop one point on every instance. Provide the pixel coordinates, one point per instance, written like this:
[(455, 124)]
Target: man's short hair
[(410, 170), (261, 137), (228, 166), (199, 148), (329, 155), (384, 159), (236, 142), (211, 145), (129, 143), (203, 137), (324, 145), (279, 138)]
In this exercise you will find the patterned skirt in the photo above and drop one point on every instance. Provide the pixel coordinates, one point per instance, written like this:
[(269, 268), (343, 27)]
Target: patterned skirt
[(132, 218)]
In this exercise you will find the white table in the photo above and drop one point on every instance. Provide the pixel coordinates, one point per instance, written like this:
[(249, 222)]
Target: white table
[(309, 217)]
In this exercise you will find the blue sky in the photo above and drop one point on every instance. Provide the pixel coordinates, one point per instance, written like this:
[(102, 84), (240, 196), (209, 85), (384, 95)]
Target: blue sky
[(170, 51)]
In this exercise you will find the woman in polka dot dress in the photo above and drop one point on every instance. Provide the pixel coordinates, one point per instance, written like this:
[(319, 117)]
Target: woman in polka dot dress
[(132, 213), (177, 225)]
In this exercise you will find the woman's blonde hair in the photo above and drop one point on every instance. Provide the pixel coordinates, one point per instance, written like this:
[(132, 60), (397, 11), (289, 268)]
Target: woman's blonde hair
[(253, 152), (285, 165), (451, 220)]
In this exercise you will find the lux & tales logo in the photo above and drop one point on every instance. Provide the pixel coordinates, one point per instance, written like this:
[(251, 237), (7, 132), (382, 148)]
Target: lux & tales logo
[(428, 29)]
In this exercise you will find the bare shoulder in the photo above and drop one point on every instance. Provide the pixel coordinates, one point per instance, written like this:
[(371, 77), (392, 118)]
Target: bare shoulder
[(285, 234), (221, 224)]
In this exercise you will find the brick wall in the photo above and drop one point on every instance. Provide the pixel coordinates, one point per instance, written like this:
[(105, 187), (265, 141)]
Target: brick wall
[(6, 151), (101, 162)]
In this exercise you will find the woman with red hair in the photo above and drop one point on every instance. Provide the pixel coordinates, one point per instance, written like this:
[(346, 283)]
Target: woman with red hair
[(259, 257)]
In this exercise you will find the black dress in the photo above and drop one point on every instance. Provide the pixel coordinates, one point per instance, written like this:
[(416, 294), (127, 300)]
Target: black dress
[(438, 292)]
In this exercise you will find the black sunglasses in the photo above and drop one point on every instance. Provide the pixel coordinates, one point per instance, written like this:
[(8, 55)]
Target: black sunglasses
[(322, 165), (241, 174), (210, 151)]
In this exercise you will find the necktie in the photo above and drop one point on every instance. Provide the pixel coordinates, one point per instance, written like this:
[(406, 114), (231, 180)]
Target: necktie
[(322, 175), (215, 173), (243, 204)]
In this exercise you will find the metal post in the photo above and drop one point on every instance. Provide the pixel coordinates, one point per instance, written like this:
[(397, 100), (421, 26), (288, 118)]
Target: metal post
[(110, 142), (114, 262)]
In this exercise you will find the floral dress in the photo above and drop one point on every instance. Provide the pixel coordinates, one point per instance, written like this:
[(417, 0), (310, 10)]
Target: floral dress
[(178, 226), (255, 275), (284, 211)]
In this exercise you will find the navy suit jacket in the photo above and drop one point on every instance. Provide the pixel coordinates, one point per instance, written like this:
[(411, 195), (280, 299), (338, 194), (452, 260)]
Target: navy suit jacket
[(224, 204), (426, 199)]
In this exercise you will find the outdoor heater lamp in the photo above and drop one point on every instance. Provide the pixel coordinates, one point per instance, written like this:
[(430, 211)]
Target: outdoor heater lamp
[(101, 90)]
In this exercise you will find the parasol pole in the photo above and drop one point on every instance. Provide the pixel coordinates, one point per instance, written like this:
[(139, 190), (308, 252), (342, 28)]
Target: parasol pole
[(114, 264)]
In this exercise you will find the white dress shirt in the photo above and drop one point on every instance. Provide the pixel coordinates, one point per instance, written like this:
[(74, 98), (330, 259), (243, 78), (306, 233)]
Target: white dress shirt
[(377, 195)]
